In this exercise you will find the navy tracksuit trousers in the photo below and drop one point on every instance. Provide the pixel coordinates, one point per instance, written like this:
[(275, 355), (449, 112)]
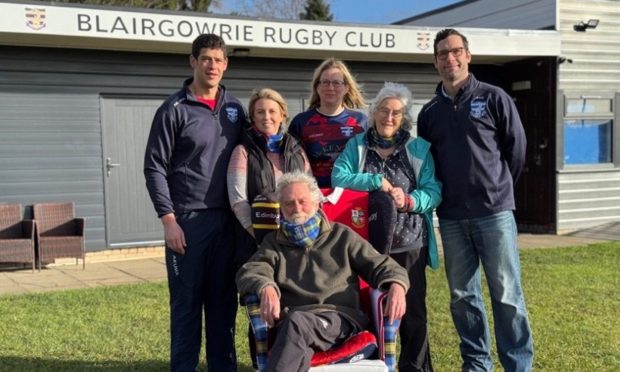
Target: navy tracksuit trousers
[(203, 282)]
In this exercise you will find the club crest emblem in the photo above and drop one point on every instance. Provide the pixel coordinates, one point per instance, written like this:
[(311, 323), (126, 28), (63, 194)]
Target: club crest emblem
[(358, 217), (478, 107), (232, 114), (424, 40), (35, 18), (346, 131)]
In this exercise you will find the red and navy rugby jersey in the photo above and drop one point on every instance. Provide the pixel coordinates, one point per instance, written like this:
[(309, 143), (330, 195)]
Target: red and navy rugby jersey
[(324, 137)]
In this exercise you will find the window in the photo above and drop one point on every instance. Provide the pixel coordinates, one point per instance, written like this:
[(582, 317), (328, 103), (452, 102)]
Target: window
[(588, 131)]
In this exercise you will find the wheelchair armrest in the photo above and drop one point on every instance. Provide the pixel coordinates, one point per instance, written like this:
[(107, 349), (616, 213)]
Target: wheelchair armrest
[(260, 328), (386, 331)]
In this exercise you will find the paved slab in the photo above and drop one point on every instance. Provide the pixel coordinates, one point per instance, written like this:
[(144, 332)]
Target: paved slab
[(96, 274), (527, 241), (607, 231), (552, 241)]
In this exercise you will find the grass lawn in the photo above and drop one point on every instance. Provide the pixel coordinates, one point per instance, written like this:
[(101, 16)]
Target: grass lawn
[(573, 296)]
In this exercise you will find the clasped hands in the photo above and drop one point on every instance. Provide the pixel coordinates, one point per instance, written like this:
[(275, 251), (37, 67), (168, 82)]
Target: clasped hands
[(397, 193)]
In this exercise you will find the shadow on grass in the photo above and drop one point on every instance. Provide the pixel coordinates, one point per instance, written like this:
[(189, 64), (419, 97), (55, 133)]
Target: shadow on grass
[(39, 364), (16, 364)]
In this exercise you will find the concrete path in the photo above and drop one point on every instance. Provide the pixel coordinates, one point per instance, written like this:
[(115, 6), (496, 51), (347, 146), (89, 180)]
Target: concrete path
[(96, 274), (153, 269)]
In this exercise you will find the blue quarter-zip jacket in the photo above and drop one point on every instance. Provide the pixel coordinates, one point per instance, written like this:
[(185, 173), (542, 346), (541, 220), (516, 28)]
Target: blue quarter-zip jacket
[(188, 150), (478, 144)]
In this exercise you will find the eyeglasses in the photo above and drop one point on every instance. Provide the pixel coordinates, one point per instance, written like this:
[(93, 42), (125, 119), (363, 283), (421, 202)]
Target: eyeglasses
[(456, 52), (335, 83), (386, 113)]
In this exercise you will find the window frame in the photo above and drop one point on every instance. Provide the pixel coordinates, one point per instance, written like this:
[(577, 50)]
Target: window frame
[(563, 115)]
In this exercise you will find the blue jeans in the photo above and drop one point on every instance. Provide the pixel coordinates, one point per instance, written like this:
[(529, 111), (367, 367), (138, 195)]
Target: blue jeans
[(492, 241)]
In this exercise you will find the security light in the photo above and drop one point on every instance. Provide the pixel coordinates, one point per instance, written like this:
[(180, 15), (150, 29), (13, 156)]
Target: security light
[(583, 26)]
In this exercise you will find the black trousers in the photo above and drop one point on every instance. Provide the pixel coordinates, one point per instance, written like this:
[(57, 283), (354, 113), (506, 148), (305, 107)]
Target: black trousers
[(301, 333), (415, 352), (202, 283)]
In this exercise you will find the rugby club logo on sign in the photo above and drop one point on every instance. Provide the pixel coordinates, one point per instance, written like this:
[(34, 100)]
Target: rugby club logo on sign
[(424, 40), (35, 18)]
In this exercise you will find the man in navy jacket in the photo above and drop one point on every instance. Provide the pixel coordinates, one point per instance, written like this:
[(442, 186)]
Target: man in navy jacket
[(193, 134), (478, 144)]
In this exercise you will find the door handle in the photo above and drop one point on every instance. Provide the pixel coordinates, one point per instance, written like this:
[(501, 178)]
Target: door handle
[(109, 165), (544, 144)]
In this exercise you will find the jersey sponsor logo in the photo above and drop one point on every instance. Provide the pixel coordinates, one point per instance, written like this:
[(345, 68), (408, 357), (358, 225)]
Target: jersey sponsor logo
[(478, 107), (329, 133), (232, 114), (358, 217), (315, 135), (272, 216)]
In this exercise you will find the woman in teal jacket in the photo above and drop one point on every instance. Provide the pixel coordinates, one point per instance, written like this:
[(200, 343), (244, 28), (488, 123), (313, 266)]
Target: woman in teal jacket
[(388, 162)]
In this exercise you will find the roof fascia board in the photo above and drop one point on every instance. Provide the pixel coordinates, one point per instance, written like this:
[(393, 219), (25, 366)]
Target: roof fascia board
[(89, 27)]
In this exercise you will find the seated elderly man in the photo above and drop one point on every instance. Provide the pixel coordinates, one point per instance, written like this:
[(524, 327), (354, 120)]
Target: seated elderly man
[(306, 274)]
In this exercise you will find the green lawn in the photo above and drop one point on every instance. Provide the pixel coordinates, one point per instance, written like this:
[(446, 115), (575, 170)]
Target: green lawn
[(573, 296)]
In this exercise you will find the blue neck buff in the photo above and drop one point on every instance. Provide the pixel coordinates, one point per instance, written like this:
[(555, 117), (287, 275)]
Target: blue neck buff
[(274, 143), (302, 235)]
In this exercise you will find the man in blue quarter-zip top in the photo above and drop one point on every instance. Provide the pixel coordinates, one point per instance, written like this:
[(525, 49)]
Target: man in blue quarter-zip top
[(478, 143), (192, 137)]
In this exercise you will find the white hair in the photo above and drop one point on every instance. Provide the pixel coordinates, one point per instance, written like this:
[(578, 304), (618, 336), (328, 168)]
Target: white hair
[(288, 179), (393, 91)]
